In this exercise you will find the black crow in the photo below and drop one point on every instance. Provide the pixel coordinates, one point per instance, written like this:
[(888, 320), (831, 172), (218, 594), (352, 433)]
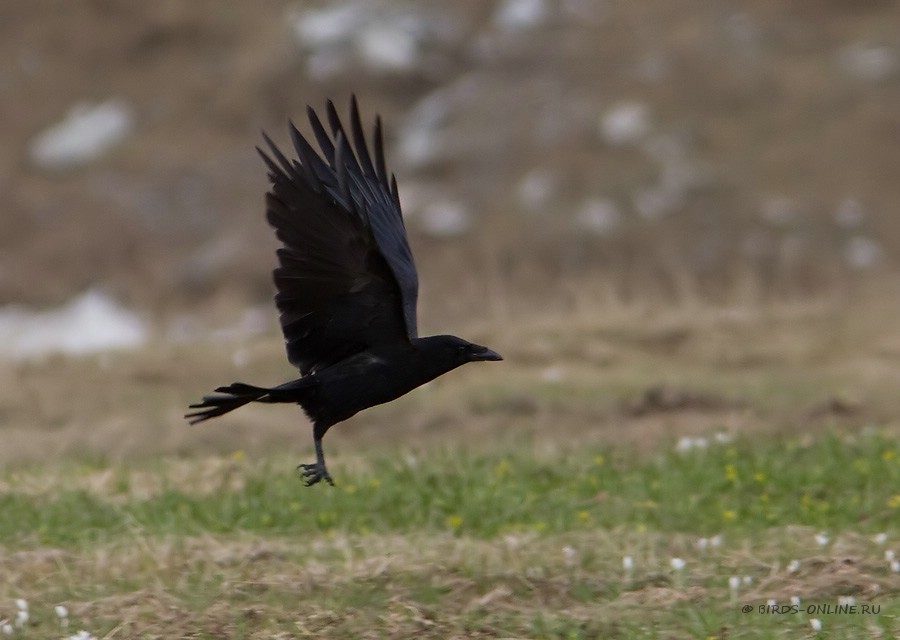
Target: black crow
[(346, 286)]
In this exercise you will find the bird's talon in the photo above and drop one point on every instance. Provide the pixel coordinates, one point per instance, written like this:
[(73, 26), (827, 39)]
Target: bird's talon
[(314, 473)]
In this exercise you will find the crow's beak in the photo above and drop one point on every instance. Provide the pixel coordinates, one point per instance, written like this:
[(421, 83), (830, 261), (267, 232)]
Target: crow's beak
[(487, 354)]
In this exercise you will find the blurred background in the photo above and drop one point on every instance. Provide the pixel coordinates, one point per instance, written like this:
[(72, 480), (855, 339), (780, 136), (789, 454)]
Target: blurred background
[(553, 156)]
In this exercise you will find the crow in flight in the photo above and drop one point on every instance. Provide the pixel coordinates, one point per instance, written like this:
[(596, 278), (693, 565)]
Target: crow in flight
[(346, 286)]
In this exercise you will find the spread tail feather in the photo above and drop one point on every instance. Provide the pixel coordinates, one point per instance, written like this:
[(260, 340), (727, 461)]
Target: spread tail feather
[(238, 394)]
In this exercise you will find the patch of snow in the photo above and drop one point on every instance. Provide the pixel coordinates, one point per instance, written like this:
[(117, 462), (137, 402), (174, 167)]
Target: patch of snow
[(868, 62), (390, 41), (445, 219), (599, 216), (85, 134), (536, 189), (90, 323), (553, 374), (322, 65), (421, 139), (850, 214), (625, 123), (325, 27), (519, 15), (862, 252), (390, 45)]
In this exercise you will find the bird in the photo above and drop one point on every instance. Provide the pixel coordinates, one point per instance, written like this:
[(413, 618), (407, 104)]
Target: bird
[(346, 285)]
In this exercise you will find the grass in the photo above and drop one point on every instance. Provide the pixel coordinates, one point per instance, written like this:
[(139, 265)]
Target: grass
[(513, 542), (528, 485)]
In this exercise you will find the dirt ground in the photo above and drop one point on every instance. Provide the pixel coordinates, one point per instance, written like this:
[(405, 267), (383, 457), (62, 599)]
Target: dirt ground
[(760, 179), (764, 122)]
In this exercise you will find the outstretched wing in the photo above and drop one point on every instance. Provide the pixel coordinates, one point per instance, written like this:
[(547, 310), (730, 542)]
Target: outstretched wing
[(346, 278)]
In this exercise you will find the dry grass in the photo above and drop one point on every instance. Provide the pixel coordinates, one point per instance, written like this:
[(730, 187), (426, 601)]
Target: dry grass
[(623, 378), (441, 586), (633, 374)]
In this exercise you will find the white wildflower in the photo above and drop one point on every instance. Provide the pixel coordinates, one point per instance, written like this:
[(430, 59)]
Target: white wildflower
[(793, 566), (677, 563), (816, 624), (734, 583), (63, 614), (821, 539)]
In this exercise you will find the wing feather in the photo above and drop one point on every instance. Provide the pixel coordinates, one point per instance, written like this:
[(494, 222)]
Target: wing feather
[(346, 279)]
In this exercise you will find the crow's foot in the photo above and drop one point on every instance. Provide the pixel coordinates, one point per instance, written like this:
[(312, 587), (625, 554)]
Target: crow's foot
[(315, 472)]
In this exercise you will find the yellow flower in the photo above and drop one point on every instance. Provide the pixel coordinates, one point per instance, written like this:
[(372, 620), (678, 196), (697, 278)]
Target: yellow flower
[(584, 516), (454, 522), (238, 456), (759, 477), (729, 515), (894, 501), (502, 469), (731, 473), (888, 455), (599, 460)]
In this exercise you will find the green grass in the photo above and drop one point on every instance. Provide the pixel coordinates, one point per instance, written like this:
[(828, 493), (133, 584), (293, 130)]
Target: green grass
[(835, 482), (461, 544)]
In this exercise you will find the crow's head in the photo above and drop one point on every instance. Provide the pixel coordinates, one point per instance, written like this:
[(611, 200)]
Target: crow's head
[(455, 351)]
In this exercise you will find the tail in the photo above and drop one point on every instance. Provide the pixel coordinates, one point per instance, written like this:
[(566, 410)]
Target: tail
[(238, 394)]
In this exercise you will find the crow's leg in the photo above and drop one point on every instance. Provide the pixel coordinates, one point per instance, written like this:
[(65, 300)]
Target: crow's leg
[(316, 471)]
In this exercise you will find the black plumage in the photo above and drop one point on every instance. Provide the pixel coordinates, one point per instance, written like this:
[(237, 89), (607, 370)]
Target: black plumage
[(346, 285)]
